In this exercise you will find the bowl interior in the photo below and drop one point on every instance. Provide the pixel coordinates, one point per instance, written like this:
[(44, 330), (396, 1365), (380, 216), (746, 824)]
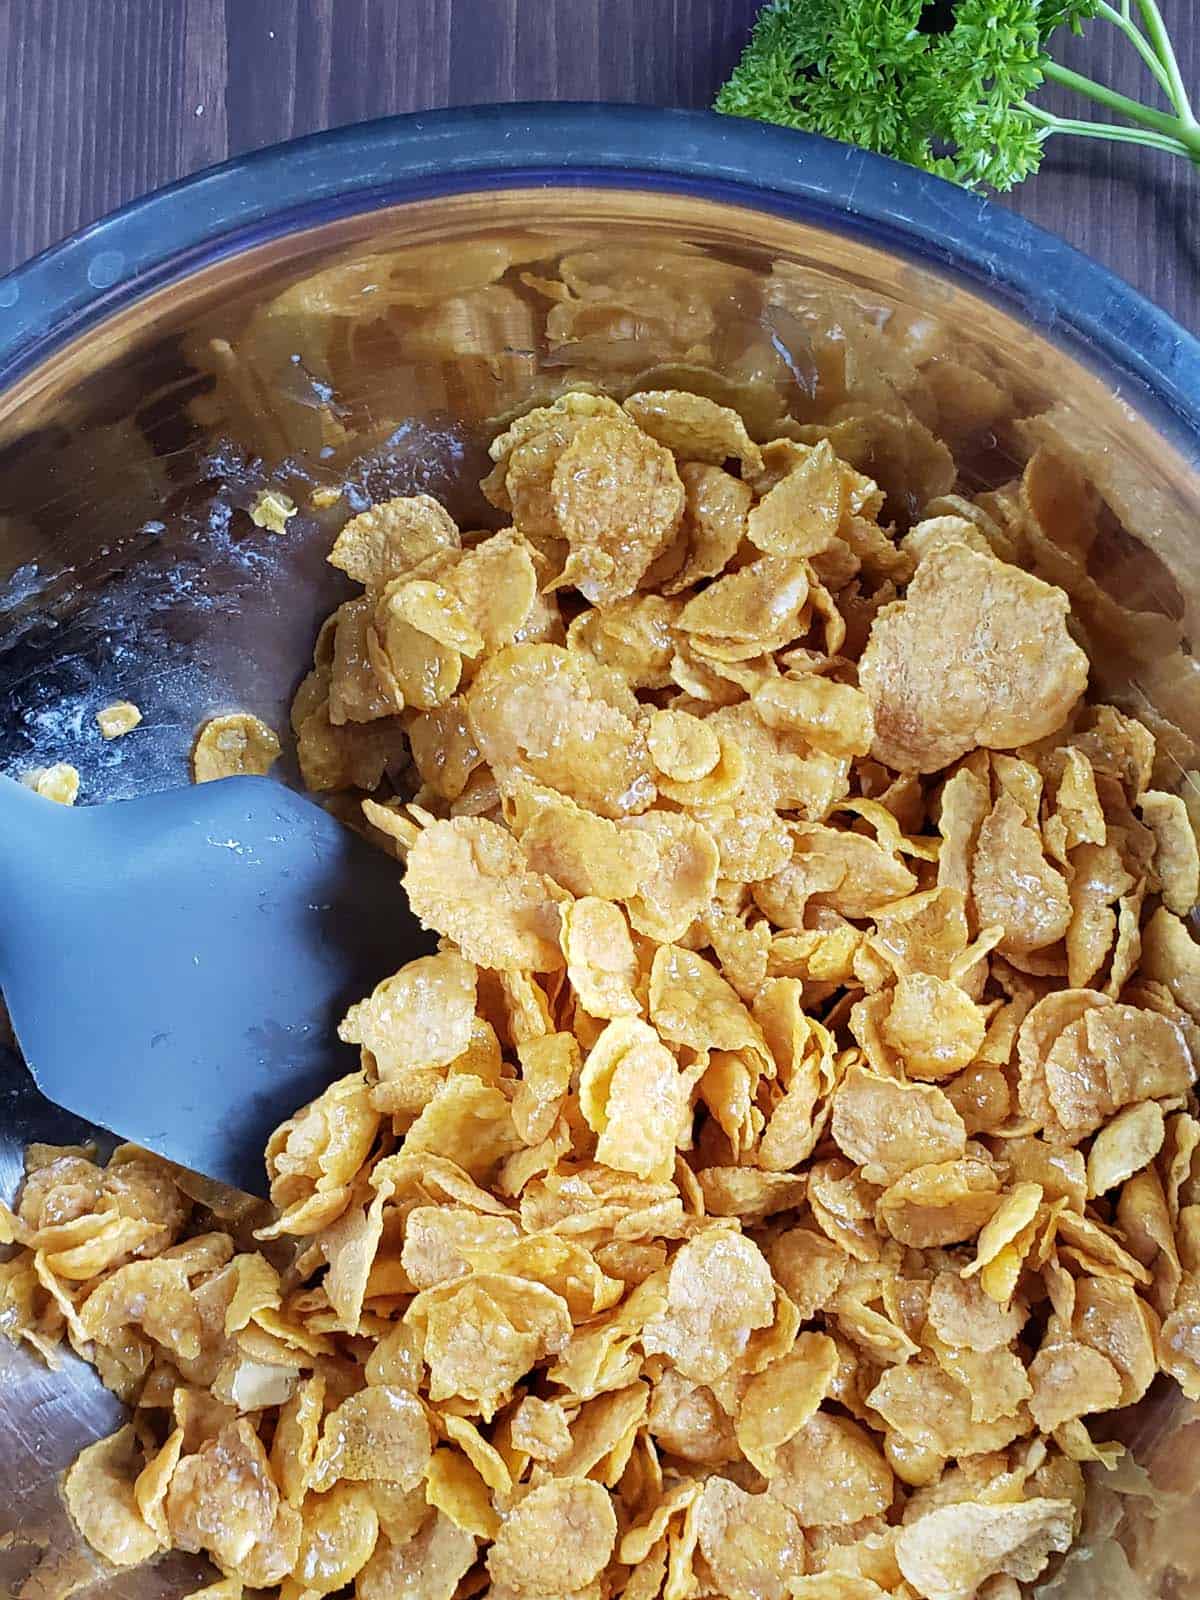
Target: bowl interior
[(372, 354)]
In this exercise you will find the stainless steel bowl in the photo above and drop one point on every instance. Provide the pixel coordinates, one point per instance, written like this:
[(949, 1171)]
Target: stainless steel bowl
[(354, 311)]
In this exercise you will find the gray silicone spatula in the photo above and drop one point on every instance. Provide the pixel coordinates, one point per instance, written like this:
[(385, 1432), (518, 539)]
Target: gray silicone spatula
[(176, 966)]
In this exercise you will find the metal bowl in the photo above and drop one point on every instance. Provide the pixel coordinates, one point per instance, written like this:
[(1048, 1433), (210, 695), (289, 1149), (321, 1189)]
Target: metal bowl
[(353, 310)]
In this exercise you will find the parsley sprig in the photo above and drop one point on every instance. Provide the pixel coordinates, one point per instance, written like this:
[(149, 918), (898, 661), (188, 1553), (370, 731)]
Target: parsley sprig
[(955, 100)]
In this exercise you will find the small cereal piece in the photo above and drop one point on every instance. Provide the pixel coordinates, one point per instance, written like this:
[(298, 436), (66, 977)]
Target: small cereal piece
[(561, 1533), (940, 1203), (392, 538), (1171, 957), (833, 717), (1176, 856), (99, 1492), (964, 1317), (426, 1564), (809, 1268), (1013, 884), (718, 1291), (602, 964), (778, 1401), (1124, 1146), (948, 1553), (420, 1017), (635, 1099), (467, 878), (692, 1004), (832, 1474), (933, 1026), (754, 609), (584, 853), (378, 1433), (59, 783), (338, 1538), (537, 711), (694, 427), (232, 746), (889, 1128), (800, 515), (1070, 1380), (539, 1428), (120, 717), (684, 879), (714, 522), (618, 500), (223, 1499), (682, 747), (977, 653), (752, 1543), (271, 509)]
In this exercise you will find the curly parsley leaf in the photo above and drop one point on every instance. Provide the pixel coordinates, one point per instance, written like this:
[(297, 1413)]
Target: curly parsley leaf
[(956, 101)]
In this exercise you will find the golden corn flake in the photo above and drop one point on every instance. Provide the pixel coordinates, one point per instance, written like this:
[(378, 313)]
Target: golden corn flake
[(232, 746), (834, 717), (120, 717), (560, 1535), (338, 1538), (1176, 857), (751, 1543), (585, 854), (888, 1127), (618, 500), (271, 509), (949, 1552), (778, 1401), (379, 1433), (832, 1474), (1124, 1146), (977, 653), (537, 712), (392, 538), (635, 1099), (713, 526), (421, 1017), (59, 783), (428, 1564), (99, 1492), (467, 879), (694, 427), (801, 514), (718, 1292), (684, 878), (602, 965)]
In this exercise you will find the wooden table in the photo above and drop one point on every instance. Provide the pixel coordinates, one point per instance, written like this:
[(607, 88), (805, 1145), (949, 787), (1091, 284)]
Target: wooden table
[(101, 100)]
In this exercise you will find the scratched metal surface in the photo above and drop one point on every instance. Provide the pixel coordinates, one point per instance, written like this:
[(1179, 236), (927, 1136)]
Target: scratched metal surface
[(129, 567)]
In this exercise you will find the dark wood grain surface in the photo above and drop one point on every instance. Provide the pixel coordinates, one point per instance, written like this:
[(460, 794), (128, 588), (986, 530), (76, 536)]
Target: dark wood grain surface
[(101, 100)]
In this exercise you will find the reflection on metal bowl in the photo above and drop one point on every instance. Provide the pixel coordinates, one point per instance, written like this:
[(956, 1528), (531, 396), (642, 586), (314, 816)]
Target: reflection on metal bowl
[(354, 312)]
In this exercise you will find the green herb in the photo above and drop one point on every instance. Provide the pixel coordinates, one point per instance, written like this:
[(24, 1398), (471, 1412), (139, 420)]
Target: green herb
[(956, 101)]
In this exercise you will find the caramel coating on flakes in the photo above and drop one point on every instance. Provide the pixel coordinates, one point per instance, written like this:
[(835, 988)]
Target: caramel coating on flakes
[(976, 654), (781, 1165)]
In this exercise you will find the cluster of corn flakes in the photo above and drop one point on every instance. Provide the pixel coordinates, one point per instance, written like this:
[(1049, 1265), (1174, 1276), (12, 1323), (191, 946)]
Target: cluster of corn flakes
[(790, 1153)]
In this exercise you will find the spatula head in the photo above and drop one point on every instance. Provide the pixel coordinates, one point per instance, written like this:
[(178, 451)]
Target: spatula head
[(176, 966)]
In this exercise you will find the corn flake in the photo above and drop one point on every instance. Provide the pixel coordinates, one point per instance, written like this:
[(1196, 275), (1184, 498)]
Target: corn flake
[(119, 718), (950, 1552), (233, 746), (392, 538), (997, 665), (99, 1492)]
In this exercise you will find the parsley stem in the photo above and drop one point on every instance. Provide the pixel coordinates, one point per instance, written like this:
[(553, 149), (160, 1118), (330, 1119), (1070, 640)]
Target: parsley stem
[(1122, 20), (1106, 130), (1187, 133), (1165, 50)]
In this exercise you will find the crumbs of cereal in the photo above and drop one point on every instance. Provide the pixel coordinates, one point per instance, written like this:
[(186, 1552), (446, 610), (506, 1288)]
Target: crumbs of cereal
[(233, 746), (271, 509), (59, 783), (121, 717)]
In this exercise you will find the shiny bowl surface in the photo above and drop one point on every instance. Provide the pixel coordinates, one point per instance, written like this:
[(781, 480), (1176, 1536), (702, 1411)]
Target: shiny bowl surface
[(353, 311)]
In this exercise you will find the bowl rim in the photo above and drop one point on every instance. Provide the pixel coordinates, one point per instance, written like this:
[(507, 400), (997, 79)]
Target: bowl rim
[(1062, 293)]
